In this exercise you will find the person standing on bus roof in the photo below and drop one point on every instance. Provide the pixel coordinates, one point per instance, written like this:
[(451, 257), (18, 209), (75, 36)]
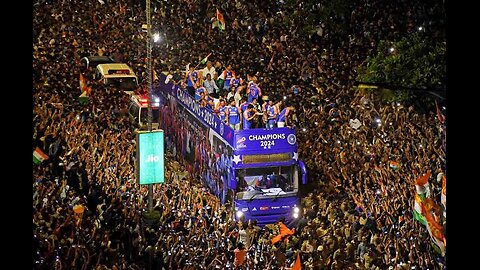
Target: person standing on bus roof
[(191, 78), (209, 69), (257, 109), (283, 117), (233, 115), (228, 75), (253, 91), (243, 105), (210, 85), (248, 117), (278, 107), (221, 111), (271, 114)]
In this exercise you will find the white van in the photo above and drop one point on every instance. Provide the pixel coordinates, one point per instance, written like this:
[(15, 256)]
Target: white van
[(119, 75)]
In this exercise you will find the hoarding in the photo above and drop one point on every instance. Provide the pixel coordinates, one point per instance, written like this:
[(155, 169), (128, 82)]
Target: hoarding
[(150, 157)]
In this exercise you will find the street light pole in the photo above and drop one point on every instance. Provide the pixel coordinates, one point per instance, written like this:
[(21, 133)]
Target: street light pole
[(149, 85)]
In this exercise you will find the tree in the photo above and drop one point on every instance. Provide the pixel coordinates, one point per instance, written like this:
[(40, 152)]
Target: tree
[(414, 62)]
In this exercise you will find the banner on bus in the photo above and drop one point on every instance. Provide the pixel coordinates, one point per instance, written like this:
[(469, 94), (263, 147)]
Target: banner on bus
[(205, 115), (277, 140)]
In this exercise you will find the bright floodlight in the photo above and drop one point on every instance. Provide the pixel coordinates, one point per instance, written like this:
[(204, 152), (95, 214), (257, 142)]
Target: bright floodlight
[(156, 37), (420, 28), (392, 49)]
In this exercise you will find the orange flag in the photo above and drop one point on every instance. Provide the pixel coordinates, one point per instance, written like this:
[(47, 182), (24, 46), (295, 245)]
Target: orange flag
[(284, 231), (434, 228), (422, 180), (297, 265)]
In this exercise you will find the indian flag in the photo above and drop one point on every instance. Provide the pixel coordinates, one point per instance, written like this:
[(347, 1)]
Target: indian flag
[(434, 228), (83, 98), (204, 60), (39, 156), (83, 83), (394, 165), (421, 184), (221, 20), (443, 198), (417, 210)]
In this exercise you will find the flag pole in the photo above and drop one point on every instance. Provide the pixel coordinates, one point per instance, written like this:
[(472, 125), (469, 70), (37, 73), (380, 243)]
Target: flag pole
[(202, 60)]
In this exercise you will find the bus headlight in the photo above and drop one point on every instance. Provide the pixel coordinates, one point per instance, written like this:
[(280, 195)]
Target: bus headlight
[(295, 215), (239, 214), (296, 210)]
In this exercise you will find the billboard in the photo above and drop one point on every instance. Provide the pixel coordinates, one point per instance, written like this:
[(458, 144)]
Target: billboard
[(150, 157)]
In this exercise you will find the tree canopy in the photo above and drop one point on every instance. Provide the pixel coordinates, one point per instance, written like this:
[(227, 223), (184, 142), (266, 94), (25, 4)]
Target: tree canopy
[(414, 62)]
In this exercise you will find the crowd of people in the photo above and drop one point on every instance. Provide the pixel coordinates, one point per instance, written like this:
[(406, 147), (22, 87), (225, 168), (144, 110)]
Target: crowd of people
[(88, 207)]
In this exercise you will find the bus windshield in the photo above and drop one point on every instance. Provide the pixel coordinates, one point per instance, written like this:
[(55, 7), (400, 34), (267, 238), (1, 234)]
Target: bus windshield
[(264, 182)]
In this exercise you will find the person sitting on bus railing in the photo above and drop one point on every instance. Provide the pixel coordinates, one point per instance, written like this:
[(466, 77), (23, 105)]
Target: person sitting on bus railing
[(210, 104), (198, 91), (233, 116), (283, 119), (248, 117), (191, 78)]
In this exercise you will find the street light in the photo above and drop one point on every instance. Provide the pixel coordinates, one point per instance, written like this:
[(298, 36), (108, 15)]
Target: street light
[(156, 37)]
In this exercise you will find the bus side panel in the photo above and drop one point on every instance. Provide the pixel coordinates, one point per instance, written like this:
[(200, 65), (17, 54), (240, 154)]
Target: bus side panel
[(205, 152)]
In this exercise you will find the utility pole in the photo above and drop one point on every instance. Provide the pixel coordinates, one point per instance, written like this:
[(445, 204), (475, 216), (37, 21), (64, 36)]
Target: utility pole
[(149, 85)]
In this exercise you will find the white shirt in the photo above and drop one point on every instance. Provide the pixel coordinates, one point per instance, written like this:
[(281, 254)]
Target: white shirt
[(212, 72)]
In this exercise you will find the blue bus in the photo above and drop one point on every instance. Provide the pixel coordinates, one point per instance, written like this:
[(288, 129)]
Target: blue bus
[(256, 171)]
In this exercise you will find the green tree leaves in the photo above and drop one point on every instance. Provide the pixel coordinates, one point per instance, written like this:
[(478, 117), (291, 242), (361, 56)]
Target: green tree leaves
[(415, 61)]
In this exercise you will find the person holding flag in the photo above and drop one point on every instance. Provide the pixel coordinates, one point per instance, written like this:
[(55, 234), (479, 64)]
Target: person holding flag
[(209, 69)]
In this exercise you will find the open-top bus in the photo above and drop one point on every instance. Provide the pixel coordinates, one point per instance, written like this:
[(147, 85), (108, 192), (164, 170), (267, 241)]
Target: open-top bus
[(257, 170)]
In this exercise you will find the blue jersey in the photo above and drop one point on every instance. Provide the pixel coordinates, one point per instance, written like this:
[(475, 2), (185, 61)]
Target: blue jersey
[(247, 124), (254, 91), (233, 115), (281, 116), (198, 93), (236, 82), (244, 106), (221, 113), (194, 77), (271, 113), (228, 77)]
